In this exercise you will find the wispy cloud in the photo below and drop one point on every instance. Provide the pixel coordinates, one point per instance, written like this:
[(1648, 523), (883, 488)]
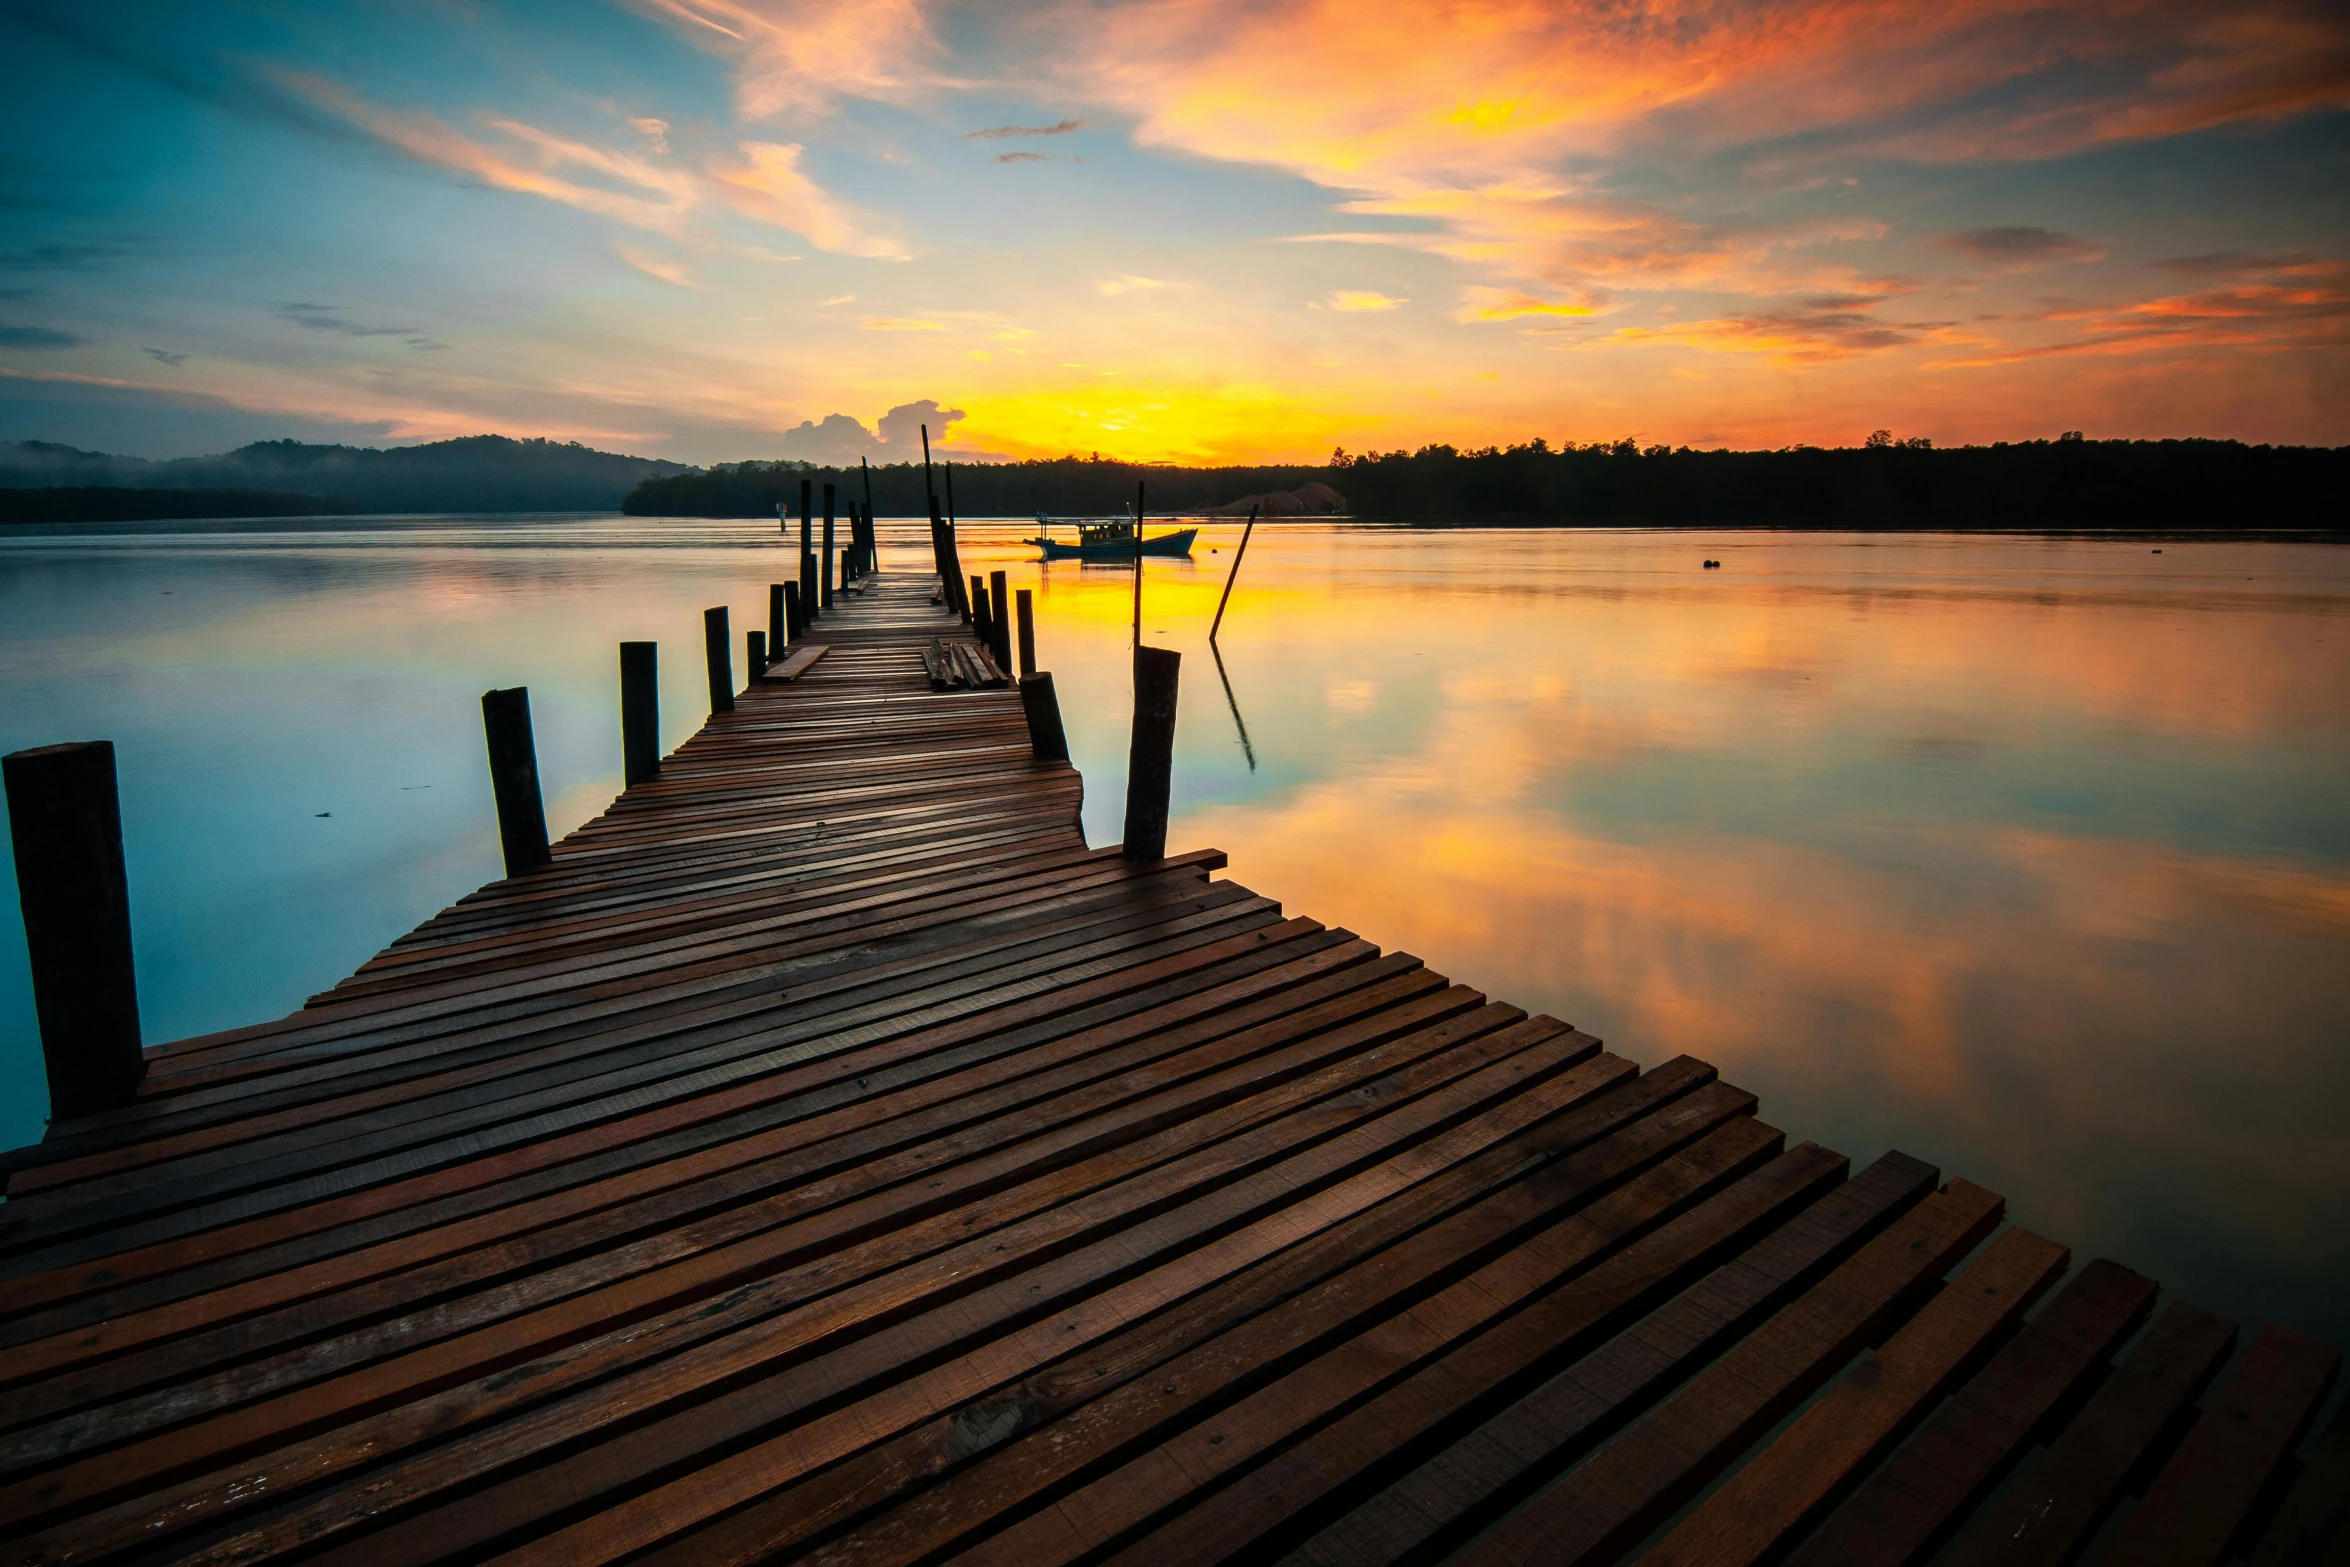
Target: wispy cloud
[(164, 356), (1020, 157), (769, 185), (900, 324), (995, 132), (648, 189), (1504, 304), (658, 268), (1130, 283), (1364, 299), (2253, 304), (333, 318), (1821, 329), (35, 337), (2019, 248), (794, 59)]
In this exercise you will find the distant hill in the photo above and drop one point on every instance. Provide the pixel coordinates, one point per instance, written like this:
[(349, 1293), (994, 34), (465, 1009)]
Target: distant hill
[(475, 473), (112, 503)]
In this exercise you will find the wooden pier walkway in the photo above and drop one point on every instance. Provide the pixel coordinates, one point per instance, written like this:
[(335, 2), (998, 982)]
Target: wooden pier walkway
[(830, 1157)]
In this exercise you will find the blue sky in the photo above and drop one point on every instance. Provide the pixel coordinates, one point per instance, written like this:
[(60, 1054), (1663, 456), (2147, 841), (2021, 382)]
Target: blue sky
[(1201, 231)]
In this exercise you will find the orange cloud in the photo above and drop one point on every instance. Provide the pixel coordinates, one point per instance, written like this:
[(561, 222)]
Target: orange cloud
[(2260, 303), (1477, 170), (651, 198), (795, 58), (769, 185)]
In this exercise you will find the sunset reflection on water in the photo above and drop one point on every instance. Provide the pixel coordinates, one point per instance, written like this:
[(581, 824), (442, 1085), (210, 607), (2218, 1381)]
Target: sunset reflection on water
[(2028, 856)]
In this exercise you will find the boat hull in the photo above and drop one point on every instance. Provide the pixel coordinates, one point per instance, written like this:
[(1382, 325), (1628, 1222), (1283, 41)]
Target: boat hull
[(1166, 544)]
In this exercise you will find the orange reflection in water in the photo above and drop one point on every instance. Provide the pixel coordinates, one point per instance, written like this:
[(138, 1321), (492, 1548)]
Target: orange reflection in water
[(2027, 856)]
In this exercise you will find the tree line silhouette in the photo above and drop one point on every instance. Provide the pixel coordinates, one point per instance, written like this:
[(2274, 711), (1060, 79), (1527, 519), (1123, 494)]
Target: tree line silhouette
[(2064, 483)]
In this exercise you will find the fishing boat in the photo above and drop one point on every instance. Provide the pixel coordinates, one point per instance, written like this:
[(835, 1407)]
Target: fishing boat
[(1107, 541)]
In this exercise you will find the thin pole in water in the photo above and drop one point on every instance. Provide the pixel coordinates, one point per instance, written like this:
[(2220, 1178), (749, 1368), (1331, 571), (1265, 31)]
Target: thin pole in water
[(1138, 565), (1237, 556)]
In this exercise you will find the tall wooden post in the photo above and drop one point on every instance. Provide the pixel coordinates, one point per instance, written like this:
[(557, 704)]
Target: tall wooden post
[(1046, 739), (721, 659), (1027, 634), (826, 589), (977, 613), (66, 821), (778, 625), (999, 621), (809, 604), (640, 711), (514, 779), (1150, 754), (795, 619), (872, 540), (754, 654)]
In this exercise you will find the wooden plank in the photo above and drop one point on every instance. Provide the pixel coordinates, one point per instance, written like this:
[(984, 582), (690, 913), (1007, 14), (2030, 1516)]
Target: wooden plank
[(1905, 1508), (1273, 1205), (1213, 1342), (2062, 1496), (1445, 1384), (796, 663), (1774, 1496), (2312, 1527), (1467, 1484), (1603, 1507), (1047, 1115), (2192, 1512)]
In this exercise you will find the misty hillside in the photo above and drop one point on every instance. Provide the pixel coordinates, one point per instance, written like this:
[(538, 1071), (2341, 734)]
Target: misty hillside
[(476, 473)]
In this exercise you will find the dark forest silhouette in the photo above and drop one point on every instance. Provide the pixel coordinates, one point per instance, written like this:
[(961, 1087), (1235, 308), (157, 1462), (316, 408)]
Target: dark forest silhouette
[(2065, 483)]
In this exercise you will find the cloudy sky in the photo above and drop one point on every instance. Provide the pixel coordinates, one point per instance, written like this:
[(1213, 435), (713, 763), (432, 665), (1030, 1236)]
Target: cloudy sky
[(1197, 230)]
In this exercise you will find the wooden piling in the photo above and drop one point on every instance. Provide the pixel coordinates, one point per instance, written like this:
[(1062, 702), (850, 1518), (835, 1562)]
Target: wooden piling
[(1047, 741), (794, 621), (1027, 634), (778, 627), (1150, 753), (999, 621), (640, 712), (826, 581), (514, 779), (754, 654), (65, 819), (721, 659), (978, 612), (810, 605)]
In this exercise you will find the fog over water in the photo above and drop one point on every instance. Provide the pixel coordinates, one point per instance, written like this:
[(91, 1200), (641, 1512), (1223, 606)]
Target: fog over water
[(2028, 856)]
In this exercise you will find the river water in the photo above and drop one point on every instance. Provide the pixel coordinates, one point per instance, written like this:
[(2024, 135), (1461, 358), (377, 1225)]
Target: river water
[(2029, 856)]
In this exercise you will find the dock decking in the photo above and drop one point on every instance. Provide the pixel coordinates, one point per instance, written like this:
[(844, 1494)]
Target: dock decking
[(830, 1157)]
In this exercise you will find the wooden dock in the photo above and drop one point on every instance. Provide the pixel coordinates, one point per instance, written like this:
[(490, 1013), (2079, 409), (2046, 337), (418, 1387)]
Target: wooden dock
[(829, 1157)]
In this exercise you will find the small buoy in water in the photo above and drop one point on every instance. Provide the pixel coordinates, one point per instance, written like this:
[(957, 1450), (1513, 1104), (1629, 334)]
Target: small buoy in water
[(326, 813), (1713, 565), (2158, 552)]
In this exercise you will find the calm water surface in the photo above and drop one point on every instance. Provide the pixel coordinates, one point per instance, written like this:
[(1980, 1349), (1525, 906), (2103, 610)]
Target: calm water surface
[(2028, 856)]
